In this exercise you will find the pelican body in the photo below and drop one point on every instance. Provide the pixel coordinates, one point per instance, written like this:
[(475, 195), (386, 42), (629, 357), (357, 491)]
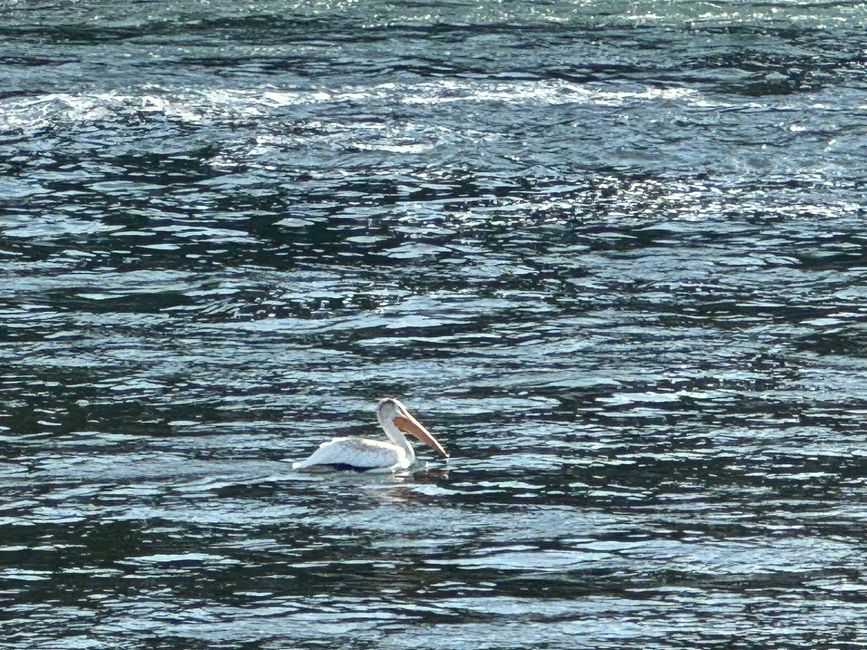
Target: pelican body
[(365, 454)]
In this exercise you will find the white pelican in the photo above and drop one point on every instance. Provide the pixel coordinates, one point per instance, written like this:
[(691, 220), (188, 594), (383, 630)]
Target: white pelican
[(364, 454)]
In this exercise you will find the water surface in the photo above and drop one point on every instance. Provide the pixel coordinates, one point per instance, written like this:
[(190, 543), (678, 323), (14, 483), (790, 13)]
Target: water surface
[(611, 253)]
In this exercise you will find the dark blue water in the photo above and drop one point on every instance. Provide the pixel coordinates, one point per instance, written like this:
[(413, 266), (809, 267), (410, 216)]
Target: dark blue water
[(612, 254)]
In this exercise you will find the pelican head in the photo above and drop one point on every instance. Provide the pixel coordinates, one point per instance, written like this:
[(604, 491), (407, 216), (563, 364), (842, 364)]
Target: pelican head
[(391, 412)]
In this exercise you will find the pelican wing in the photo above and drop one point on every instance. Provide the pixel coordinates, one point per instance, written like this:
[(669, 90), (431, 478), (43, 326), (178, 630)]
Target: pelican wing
[(356, 452)]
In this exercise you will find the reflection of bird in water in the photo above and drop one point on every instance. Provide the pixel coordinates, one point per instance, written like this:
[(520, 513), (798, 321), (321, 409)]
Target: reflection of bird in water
[(365, 454)]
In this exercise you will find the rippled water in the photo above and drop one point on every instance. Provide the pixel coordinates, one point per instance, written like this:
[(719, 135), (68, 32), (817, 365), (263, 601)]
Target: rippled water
[(612, 253)]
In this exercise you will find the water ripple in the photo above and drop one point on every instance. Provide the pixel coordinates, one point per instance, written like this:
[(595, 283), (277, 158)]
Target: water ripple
[(613, 256)]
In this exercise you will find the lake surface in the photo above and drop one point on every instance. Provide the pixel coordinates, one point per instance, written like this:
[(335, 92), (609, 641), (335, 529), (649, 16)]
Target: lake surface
[(613, 254)]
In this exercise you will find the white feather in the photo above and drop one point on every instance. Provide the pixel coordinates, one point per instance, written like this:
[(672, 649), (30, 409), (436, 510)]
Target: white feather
[(358, 452)]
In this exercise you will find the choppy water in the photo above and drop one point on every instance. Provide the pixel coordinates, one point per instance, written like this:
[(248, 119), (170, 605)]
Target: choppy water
[(613, 254)]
